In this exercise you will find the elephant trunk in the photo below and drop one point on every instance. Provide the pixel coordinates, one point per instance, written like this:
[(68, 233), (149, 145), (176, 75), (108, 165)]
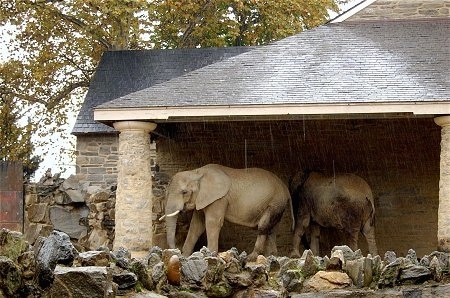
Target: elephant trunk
[(171, 227)]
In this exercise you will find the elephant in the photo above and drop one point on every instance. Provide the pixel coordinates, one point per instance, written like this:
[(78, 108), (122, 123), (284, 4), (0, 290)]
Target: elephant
[(251, 197), (342, 201)]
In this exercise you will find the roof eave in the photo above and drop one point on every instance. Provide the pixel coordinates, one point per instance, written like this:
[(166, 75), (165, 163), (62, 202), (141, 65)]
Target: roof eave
[(282, 111)]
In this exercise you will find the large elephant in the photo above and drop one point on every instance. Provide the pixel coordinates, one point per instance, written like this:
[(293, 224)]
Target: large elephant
[(250, 197), (343, 201)]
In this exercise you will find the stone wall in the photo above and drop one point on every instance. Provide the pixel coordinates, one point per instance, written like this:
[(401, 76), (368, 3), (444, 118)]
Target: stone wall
[(403, 9), (97, 156), (399, 159)]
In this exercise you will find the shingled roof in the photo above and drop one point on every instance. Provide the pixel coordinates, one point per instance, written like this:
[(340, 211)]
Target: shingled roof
[(355, 67), (122, 72)]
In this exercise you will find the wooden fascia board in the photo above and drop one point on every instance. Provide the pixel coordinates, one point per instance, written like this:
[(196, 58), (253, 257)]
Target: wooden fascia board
[(164, 114)]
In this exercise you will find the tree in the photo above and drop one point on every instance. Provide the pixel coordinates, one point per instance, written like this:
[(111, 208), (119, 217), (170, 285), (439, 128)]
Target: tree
[(57, 44), (15, 139)]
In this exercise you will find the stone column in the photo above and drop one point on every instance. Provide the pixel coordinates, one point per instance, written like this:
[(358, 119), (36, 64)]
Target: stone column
[(133, 208), (444, 186)]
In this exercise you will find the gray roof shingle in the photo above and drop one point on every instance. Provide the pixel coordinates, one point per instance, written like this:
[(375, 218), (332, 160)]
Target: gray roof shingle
[(380, 61), (122, 72)]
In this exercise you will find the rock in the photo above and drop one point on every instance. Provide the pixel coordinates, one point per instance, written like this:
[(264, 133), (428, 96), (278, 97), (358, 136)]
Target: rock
[(242, 279), (220, 289), (214, 281), (55, 249), (310, 264), (75, 192), (125, 280), (414, 274), (93, 258), (27, 264), (412, 257), (258, 273), (355, 270), (143, 273), (158, 272), (390, 273), (228, 255), (89, 282), (336, 260), (425, 261), (67, 220), (292, 280), (122, 257), (98, 237), (389, 257), (10, 277), (37, 212), (173, 270), (368, 271), (12, 244), (34, 230), (346, 251), (206, 252), (98, 195), (436, 269), (233, 266), (327, 280), (153, 259), (258, 293), (273, 264), (261, 260), (193, 269), (442, 257)]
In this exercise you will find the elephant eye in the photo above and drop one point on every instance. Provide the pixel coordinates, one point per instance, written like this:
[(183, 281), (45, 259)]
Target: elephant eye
[(184, 192)]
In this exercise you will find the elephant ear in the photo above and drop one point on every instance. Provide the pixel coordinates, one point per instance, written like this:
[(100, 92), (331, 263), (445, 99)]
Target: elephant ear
[(214, 185)]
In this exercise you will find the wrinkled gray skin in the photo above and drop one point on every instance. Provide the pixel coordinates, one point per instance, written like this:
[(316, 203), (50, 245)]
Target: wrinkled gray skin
[(344, 202), (250, 197)]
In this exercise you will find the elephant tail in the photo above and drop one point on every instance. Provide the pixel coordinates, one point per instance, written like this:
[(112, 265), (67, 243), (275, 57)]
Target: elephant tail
[(372, 211), (291, 207)]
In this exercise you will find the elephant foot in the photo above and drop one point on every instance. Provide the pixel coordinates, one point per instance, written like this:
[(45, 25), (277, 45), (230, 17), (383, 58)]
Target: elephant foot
[(252, 257), (295, 254)]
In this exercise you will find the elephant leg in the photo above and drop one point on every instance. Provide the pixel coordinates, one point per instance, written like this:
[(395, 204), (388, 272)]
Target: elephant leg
[(353, 241), (315, 239), (369, 233), (196, 229), (266, 224), (299, 231), (214, 217), (271, 247)]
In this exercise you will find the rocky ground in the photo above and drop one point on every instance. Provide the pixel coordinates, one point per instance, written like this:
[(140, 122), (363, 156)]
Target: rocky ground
[(53, 267)]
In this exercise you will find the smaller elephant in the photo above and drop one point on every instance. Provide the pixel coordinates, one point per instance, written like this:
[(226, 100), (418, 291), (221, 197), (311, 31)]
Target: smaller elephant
[(251, 197), (343, 201)]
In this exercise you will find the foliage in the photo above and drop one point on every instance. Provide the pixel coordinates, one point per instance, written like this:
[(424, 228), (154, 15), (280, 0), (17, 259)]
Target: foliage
[(57, 44), (15, 139), (218, 23)]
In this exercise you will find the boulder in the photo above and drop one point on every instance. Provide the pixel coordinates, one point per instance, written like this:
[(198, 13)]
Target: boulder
[(10, 277), (92, 258), (327, 280), (193, 269), (12, 244), (53, 250), (67, 220), (89, 281)]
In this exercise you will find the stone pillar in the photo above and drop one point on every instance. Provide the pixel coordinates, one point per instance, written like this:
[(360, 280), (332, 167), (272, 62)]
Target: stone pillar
[(133, 218), (444, 186)]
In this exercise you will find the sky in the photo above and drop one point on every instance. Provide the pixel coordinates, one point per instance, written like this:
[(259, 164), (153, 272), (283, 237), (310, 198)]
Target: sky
[(66, 165)]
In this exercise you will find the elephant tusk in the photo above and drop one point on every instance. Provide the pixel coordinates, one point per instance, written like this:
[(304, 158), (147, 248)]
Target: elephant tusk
[(169, 215)]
